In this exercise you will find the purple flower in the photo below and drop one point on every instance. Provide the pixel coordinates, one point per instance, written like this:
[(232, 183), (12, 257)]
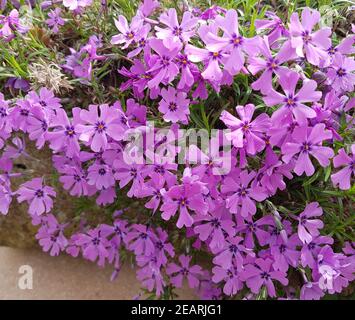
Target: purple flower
[(251, 228), (285, 254), (232, 254), (37, 195), (74, 179), (245, 132), (141, 239), (129, 34), (262, 274), (94, 245), (5, 194), (308, 141), (17, 150), (308, 228), (44, 99), (292, 102), (231, 277), (9, 24), (51, 237), (313, 45), (76, 4), (165, 68), (174, 105), (37, 125), (101, 122), (100, 176), (5, 123), (269, 64), (55, 20), (240, 195), (178, 272), (231, 42), (310, 251), (343, 176), (176, 32), (184, 197), (341, 73), (163, 248), (64, 137), (214, 227), (311, 291), (274, 24)]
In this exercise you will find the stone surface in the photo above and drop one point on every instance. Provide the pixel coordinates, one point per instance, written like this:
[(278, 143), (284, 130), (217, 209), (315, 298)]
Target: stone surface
[(64, 277)]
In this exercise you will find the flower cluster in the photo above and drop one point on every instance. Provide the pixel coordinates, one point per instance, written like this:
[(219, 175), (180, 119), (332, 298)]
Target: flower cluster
[(292, 131)]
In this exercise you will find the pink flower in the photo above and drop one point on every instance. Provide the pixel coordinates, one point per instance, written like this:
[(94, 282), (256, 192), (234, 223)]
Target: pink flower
[(102, 122), (292, 102), (261, 274), (245, 132), (343, 176), (37, 195), (308, 228), (174, 105), (240, 196), (176, 32), (178, 272), (313, 45), (308, 141)]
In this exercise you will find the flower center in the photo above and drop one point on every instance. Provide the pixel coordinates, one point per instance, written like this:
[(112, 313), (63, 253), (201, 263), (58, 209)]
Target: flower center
[(215, 55), (70, 131), (341, 72), (306, 37), (39, 193), (100, 126), (96, 241), (172, 106), (130, 35), (177, 31), (237, 40), (102, 171), (306, 147), (265, 275)]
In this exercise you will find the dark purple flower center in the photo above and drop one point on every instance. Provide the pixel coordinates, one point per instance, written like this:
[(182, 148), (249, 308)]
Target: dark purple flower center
[(236, 40), (100, 126), (165, 61), (96, 241), (282, 248), (142, 42), (290, 101), (184, 271), (216, 223), (215, 55), (306, 37), (159, 169), (77, 178), (43, 103), (130, 35), (242, 192), (341, 72), (332, 51), (265, 275), (24, 112), (159, 245), (3, 112), (306, 147), (69, 131), (251, 226), (246, 126), (311, 246), (143, 236), (102, 171), (172, 106), (44, 125), (53, 238), (133, 172), (233, 248), (177, 31), (352, 165), (39, 193), (183, 202), (272, 64)]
